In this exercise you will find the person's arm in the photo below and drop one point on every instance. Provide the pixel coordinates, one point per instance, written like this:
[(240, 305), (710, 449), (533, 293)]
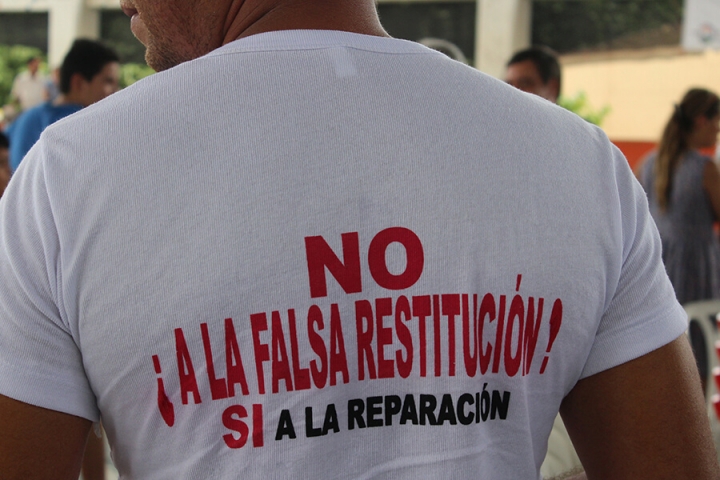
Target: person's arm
[(37, 444), (644, 419), (93, 465), (711, 184)]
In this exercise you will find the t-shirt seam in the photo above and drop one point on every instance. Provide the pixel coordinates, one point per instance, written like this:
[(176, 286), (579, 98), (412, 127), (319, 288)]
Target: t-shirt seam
[(320, 47)]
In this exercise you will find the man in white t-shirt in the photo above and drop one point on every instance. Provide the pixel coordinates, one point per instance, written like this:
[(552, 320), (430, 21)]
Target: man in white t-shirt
[(29, 86), (307, 250)]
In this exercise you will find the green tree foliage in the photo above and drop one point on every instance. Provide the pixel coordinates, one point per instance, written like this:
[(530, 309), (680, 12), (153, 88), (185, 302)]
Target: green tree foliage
[(13, 59), (580, 105), (575, 25), (132, 72)]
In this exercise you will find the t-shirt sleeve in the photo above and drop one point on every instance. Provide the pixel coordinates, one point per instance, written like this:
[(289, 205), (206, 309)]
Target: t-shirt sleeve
[(40, 361), (642, 313)]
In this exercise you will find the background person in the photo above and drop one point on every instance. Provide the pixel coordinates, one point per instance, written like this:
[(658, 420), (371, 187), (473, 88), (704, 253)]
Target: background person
[(683, 189), (89, 73), (28, 88), (535, 70), (158, 271)]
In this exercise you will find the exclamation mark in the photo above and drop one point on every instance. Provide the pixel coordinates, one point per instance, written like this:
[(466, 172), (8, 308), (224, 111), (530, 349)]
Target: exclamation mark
[(164, 404), (555, 322)]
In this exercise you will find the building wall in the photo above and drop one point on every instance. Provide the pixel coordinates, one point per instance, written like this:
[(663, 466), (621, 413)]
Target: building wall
[(640, 87), (25, 28), (503, 25), (67, 20)]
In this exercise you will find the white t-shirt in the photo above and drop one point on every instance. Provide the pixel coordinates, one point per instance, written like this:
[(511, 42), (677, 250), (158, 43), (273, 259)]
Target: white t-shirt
[(276, 261), (29, 89)]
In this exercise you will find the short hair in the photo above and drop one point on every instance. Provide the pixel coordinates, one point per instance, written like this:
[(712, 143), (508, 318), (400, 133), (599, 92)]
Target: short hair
[(545, 60), (86, 57), (4, 141)]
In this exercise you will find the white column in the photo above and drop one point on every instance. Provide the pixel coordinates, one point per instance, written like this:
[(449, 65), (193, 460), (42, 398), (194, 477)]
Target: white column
[(70, 19), (502, 27)]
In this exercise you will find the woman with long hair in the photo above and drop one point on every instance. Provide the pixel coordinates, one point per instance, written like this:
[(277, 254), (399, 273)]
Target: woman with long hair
[(683, 188)]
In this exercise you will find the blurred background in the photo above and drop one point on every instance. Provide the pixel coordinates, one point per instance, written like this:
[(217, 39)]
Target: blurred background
[(625, 62)]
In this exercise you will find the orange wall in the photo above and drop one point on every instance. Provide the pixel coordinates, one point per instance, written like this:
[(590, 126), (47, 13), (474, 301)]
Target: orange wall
[(639, 86), (635, 151)]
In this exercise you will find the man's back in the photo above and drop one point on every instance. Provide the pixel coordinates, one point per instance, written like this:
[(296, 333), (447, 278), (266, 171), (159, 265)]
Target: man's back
[(350, 258)]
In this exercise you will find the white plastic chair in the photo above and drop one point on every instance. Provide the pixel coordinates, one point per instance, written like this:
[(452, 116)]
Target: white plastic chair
[(704, 314), (702, 323)]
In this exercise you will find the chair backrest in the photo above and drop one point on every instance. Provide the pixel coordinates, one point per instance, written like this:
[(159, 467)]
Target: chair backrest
[(703, 333)]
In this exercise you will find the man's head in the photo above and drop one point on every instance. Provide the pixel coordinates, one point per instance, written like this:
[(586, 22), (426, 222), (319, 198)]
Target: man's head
[(89, 73), (33, 65), (176, 31), (535, 70)]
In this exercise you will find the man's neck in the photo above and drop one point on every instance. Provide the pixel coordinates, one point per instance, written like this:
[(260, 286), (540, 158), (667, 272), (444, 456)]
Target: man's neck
[(250, 17), (67, 99)]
